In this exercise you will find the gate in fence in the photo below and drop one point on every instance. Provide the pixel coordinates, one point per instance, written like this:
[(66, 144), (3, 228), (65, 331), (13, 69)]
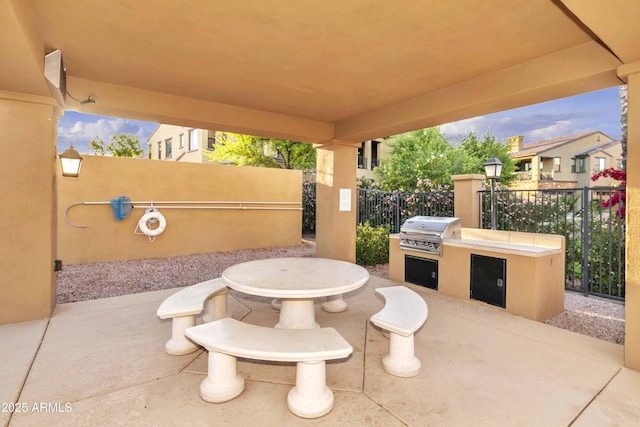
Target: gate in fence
[(595, 235)]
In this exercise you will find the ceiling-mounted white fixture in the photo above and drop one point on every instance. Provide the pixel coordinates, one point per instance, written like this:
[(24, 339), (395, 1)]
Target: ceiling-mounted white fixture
[(55, 73)]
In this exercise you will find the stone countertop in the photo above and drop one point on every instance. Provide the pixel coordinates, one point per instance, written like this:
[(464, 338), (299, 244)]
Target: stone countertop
[(505, 242), (503, 247)]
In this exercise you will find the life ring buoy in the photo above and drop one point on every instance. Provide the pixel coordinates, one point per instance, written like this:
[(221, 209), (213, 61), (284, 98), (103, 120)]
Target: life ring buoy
[(143, 223)]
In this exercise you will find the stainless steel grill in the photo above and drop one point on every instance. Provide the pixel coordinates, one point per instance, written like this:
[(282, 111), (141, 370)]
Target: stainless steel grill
[(426, 233)]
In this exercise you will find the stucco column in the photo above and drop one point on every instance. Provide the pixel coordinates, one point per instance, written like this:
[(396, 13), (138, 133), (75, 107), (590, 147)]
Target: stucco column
[(466, 204), (336, 209), (631, 73), (27, 217)]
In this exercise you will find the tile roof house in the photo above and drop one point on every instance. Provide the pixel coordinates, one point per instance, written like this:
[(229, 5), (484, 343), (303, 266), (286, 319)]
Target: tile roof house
[(565, 162)]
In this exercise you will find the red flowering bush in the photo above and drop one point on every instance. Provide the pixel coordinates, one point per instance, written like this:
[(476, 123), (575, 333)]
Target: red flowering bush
[(618, 197)]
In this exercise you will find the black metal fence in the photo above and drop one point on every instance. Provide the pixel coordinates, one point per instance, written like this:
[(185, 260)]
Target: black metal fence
[(378, 208), (308, 207), (392, 209), (595, 235)]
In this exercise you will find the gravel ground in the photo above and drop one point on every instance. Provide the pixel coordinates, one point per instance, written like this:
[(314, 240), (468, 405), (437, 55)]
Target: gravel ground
[(597, 317)]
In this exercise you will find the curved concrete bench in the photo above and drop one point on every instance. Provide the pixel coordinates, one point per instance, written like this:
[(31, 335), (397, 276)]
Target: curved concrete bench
[(228, 339), (403, 314), (183, 306)]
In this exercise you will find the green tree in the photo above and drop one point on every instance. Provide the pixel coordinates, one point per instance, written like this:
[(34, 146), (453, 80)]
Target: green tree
[(243, 150), (295, 155), (426, 155), (414, 155), (97, 146), (247, 150), (477, 152), (122, 145)]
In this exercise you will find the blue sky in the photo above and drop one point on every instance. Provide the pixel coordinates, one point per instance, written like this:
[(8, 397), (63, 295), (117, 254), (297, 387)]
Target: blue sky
[(592, 111), (599, 110)]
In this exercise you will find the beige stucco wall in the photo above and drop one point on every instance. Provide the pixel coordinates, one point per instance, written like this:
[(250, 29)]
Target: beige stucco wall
[(466, 203), (632, 260), (188, 231), (27, 231), (336, 217)]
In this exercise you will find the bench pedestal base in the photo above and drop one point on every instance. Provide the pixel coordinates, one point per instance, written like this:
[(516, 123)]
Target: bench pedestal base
[(310, 398), (179, 344), (223, 382), (401, 360), (216, 307)]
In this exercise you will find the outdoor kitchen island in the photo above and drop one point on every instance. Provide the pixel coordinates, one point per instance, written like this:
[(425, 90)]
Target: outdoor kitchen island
[(522, 273)]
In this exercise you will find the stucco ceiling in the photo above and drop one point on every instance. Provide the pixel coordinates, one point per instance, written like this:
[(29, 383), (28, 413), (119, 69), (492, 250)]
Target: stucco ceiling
[(313, 71)]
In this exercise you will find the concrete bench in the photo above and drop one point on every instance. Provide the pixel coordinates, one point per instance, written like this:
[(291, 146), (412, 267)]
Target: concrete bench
[(184, 305), (403, 314), (228, 339)]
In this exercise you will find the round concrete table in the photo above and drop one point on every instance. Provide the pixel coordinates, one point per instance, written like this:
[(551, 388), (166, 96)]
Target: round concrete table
[(296, 282)]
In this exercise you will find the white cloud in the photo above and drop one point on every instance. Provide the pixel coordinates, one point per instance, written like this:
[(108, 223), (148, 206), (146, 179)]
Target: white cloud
[(463, 127), (88, 130), (495, 125), (79, 130), (554, 130)]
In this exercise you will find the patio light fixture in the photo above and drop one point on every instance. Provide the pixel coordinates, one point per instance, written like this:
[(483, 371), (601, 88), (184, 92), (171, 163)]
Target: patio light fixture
[(493, 169), (71, 161)]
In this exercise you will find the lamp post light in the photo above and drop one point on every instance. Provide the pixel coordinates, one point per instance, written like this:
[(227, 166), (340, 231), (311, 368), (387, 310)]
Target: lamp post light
[(71, 161), (493, 169)]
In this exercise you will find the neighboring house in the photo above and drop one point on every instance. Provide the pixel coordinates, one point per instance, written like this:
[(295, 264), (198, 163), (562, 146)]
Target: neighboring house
[(565, 162), (180, 144), (369, 155)]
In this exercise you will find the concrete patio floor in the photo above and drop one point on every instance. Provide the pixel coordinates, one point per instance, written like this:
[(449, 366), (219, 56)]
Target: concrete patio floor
[(102, 362)]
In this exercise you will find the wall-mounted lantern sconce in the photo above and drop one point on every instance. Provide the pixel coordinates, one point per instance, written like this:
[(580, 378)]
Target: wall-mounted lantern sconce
[(493, 169), (71, 161)]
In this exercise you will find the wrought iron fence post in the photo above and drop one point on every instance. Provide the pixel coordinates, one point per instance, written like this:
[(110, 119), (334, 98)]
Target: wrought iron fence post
[(397, 222), (493, 204), (585, 241)]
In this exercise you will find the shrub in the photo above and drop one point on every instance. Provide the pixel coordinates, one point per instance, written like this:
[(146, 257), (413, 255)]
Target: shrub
[(372, 244), (619, 197)]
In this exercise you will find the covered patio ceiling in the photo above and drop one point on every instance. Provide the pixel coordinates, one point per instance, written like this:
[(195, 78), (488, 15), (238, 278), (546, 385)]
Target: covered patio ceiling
[(315, 71)]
